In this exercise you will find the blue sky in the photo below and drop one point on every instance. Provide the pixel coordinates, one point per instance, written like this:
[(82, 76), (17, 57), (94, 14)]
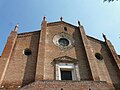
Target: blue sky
[(96, 17)]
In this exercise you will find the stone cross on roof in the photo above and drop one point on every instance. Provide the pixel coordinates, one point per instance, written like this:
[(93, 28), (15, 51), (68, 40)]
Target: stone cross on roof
[(61, 18)]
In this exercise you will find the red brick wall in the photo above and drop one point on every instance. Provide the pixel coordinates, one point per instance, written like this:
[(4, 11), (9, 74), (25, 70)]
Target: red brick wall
[(68, 85), (22, 68), (106, 68), (52, 51)]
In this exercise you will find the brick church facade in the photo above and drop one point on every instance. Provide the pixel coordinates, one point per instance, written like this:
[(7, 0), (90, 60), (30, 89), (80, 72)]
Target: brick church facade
[(60, 56)]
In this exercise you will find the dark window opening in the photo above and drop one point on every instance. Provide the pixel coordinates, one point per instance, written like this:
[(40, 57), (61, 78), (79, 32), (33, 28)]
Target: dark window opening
[(27, 52), (66, 75), (63, 42), (61, 88), (98, 56), (65, 28)]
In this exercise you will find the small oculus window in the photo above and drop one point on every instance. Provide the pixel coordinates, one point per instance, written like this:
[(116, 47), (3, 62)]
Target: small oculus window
[(65, 28), (98, 56), (27, 52)]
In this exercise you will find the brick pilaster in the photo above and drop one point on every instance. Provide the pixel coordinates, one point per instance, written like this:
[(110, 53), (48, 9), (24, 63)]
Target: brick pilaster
[(89, 54), (6, 54), (113, 54), (41, 52)]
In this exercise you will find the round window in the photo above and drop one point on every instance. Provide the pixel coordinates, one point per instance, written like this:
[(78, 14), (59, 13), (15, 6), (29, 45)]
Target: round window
[(63, 42), (27, 52), (98, 56)]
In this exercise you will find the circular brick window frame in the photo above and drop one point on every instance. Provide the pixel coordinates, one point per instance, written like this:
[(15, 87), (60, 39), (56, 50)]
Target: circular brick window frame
[(98, 56), (66, 38), (27, 52)]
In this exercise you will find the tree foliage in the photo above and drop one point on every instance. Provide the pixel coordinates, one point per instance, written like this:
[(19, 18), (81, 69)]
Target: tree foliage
[(110, 0)]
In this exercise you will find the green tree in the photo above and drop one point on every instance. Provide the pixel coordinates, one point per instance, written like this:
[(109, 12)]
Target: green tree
[(110, 0)]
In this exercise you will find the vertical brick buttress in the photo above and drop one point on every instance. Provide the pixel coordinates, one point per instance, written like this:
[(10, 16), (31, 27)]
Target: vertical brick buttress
[(6, 55), (41, 52)]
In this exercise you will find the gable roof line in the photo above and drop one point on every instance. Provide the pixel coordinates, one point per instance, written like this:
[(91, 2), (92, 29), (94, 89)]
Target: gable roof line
[(28, 32), (58, 22), (95, 39)]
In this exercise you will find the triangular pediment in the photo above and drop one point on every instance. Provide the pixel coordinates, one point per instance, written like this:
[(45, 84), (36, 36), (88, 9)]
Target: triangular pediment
[(65, 59)]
